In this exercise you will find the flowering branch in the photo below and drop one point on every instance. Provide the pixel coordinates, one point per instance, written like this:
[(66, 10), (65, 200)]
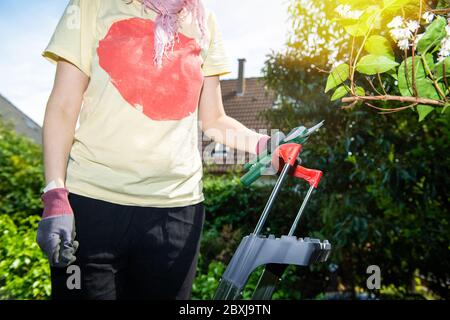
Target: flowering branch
[(420, 76)]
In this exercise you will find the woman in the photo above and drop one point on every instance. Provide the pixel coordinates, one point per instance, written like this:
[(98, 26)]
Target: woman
[(128, 180)]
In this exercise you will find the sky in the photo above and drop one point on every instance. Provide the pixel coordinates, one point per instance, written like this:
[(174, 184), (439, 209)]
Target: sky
[(250, 30)]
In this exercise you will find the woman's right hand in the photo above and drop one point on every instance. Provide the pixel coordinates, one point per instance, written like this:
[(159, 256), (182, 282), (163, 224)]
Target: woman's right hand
[(56, 230)]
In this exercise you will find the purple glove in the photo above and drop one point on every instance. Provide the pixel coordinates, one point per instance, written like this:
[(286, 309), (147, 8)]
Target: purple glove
[(56, 230)]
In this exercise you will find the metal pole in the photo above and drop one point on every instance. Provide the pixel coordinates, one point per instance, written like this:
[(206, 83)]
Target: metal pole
[(271, 200), (299, 214), (272, 273)]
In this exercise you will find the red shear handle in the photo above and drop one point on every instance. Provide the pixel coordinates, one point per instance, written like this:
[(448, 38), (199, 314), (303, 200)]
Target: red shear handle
[(310, 175), (287, 153)]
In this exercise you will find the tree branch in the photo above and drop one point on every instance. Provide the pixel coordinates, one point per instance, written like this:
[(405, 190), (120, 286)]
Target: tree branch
[(381, 83), (373, 86), (430, 74), (394, 98), (351, 105), (440, 11), (388, 111), (413, 55), (444, 72)]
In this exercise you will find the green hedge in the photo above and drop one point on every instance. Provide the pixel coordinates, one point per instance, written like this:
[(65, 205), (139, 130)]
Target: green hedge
[(21, 177), (24, 271), (365, 224)]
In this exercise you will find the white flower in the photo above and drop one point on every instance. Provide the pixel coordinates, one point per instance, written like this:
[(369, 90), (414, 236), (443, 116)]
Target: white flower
[(444, 52), (402, 31), (447, 29), (356, 14), (446, 44), (417, 39), (345, 11), (401, 34), (395, 33), (413, 25), (396, 23), (403, 44), (428, 16), (441, 58)]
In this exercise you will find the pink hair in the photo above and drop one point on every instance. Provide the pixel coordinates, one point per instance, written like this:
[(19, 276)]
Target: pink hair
[(170, 13)]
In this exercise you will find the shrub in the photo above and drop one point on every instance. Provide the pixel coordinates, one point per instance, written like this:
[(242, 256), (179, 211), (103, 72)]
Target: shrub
[(24, 271), (21, 177)]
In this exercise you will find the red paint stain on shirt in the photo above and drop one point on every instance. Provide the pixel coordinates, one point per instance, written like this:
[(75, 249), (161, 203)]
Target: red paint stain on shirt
[(169, 93)]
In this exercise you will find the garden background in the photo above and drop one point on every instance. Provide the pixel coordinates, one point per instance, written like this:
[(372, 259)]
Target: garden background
[(383, 200)]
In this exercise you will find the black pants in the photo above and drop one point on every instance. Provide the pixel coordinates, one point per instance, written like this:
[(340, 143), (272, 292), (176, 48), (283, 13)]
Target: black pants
[(130, 252)]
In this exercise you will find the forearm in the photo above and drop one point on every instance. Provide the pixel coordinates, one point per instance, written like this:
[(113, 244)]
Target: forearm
[(58, 133), (234, 134), (220, 127), (60, 120)]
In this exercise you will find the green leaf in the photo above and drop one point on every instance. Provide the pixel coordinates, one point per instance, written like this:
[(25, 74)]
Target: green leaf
[(343, 90), (397, 3), (425, 87), (351, 159), (337, 76), (392, 73), (391, 154), (356, 4), (445, 107), (424, 111), (340, 92), (372, 64), (433, 35), (357, 30), (371, 18), (439, 69), (428, 90), (379, 45), (360, 91)]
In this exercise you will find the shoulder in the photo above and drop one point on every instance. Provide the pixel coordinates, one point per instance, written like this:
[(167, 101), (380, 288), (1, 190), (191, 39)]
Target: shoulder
[(90, 10), (210, 16), (210, 19), (89, 6)]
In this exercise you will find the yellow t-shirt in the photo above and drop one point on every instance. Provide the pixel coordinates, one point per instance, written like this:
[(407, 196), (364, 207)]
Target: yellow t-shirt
[(137, 140)]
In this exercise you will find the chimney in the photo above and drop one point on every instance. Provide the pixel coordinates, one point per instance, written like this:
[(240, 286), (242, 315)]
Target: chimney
[(241, 78)]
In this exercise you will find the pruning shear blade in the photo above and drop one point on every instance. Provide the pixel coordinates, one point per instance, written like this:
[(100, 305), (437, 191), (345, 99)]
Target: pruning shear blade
[(300, 131)]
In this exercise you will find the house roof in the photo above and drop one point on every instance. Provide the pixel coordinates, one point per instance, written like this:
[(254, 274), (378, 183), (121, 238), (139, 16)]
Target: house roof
[(22, 123), (247, 109)]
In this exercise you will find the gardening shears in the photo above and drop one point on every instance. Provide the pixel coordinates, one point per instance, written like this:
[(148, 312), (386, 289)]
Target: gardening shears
[(262, 165), (274, 253)]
